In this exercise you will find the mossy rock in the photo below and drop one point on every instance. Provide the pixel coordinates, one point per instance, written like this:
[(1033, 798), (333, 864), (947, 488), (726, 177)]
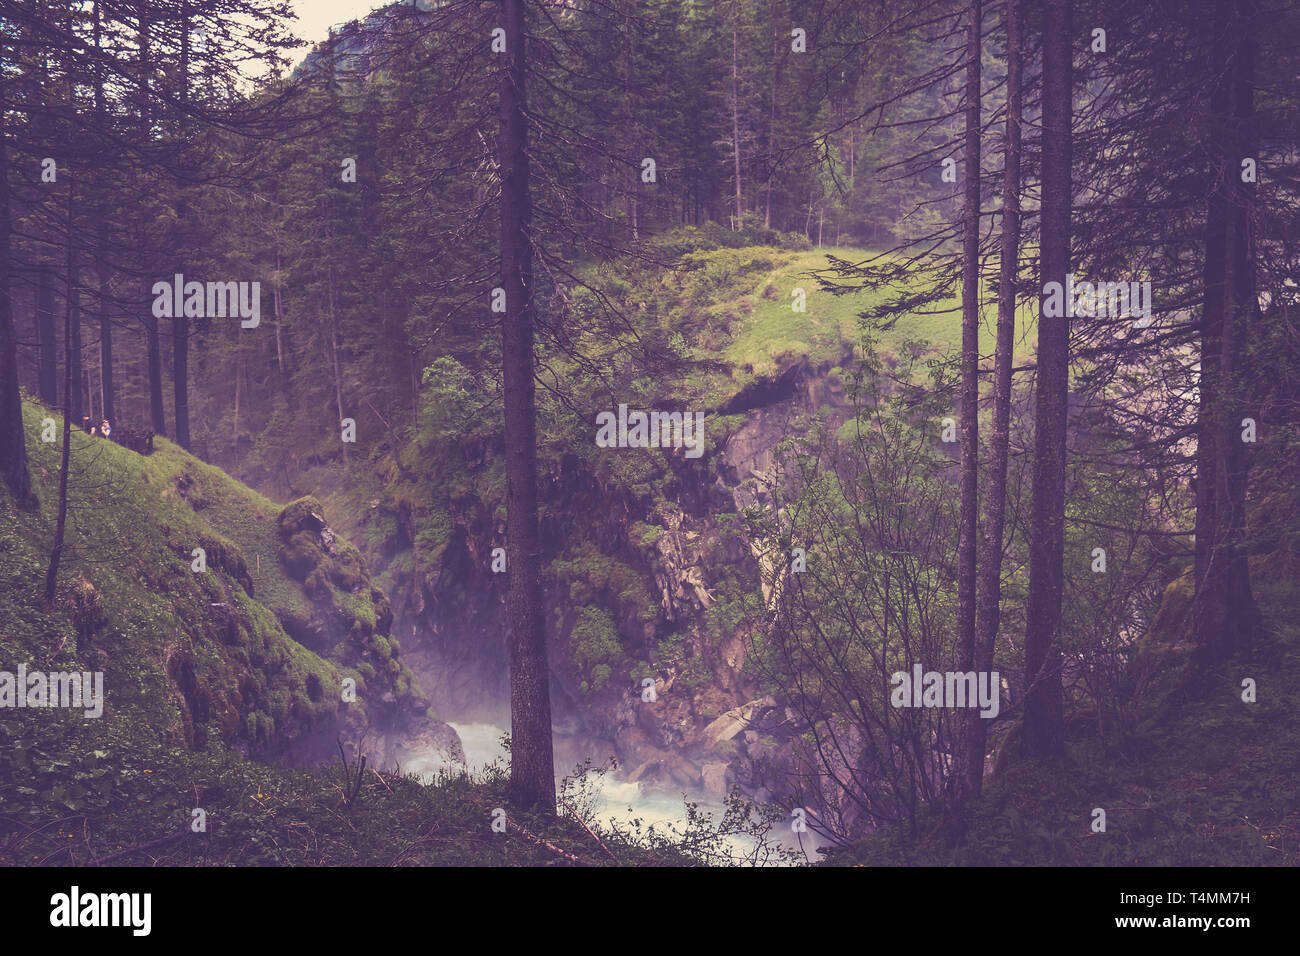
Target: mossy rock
[(347, 570), (301, 554), (1170, 621), (305, 514), (222, 554)]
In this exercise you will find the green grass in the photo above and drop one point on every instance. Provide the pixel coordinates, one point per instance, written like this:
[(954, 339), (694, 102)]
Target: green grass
[(132, 793), (750, 296), (190, 659), (129, 601)]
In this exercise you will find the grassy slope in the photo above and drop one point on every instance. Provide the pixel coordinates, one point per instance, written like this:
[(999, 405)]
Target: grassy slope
[(771, 328), (77, 790), (767, 328), (129, 598)]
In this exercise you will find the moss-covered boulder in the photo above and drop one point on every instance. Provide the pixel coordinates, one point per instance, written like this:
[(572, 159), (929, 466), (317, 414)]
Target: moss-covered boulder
[(341, 613)]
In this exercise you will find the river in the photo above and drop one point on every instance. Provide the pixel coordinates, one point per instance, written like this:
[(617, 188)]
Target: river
[(617, 800)]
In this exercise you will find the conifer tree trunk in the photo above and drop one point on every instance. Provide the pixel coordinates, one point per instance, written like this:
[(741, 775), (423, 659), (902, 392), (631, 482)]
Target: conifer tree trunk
[(969, 762), (988, 598), (153, 359), (153, 345), (71, 319), (735, 112), (47, 338), (107, 398), (239, 379), (778, 62), (72, 347), (73, 401), (1243, 615), (532, 764), (336, 368), (13, 441), (1044, 730), (1226, 617), (180, 378), (180, 322), (279, 331)]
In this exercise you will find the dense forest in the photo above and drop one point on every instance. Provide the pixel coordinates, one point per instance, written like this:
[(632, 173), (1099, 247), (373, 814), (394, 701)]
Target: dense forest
[(874, 421)]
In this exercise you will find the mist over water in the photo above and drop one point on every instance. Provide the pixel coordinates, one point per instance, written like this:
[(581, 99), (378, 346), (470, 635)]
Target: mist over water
[(619, 800), (469, 689)]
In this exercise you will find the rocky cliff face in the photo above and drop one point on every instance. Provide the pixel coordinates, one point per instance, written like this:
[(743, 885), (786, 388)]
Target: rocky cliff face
[(652, 594), (345, 619)]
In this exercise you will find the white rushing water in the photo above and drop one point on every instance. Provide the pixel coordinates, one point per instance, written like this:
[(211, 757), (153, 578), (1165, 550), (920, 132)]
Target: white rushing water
[(619, 800)]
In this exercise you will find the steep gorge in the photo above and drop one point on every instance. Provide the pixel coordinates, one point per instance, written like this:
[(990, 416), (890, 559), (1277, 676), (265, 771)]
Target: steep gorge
[(710, 723)]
